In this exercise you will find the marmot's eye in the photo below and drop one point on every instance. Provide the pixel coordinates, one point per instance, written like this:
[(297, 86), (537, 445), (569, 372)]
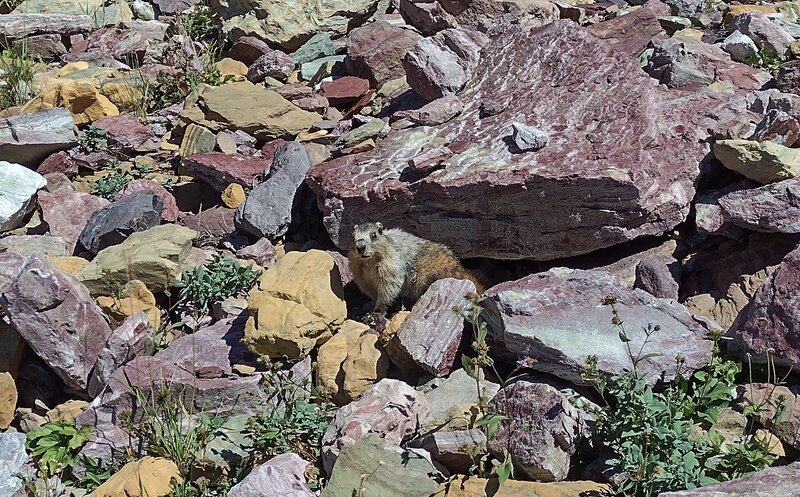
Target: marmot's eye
[(374, 236)]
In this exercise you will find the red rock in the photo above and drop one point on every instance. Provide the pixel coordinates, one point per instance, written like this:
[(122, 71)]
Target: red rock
[(247, 49), (220, 170), (432, 16), (632, 32), (273, 64), (67, 212), (170, 210), (123, 45), (59, 162), (345, 90), (126, 134), (489, 202), (216, 221), (262, 252), (375, 51)]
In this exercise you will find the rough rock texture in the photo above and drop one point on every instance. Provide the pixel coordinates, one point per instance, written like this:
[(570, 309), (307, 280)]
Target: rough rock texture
[(767, 395), (774, 208), (764, 162), (344, 90), (18, 187), (437, 112), (147, 477), (470, 486), (29, 138), (13, 457), (772, 320), (765, 33), (631, 33), (740, 46), (376, 51), (542, 430), (57, 317), (452, 399), (21, 25), (779, 127), (781, 481), (170, 211), (8, 401), (431, 334), (267, 211), (126, 342), (262, 252), (273, 64), (659, 276), (390, 409), (220, 170), (449, 448), (66, 212), (112, 224), (25, 245), (282, 475), (126, 134), (482, 15), (558, 319), (489, 202)]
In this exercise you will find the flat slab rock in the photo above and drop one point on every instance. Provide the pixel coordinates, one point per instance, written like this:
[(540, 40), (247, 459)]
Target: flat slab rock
[(558, 319), (781, 481), (597, 183)]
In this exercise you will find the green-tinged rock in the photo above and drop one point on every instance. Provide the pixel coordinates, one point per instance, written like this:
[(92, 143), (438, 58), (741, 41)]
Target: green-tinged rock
[(453, 401), (389, 470), (25, 245), (310, 69), (371, 129), (102, 13), (155, 256), (231, 443), (764, 162), (244, 106), (320, 45)]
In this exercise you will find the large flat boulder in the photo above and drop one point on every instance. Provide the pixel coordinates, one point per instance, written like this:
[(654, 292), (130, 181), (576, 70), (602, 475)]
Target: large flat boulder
[(30, 138), (595, 184)]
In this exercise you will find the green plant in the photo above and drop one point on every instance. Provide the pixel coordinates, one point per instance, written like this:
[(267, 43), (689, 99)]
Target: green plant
[(95, 474), (215, 281), (17, 68), (767, 59), (198, 23), (56, 445), (663, 440), (108, 185), (93, 139)]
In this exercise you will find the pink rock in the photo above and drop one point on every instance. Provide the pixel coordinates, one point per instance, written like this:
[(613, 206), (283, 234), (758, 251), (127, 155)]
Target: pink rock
[(375, 51), (312, 104), (220, 170), (631, 33), (437, 112), (262, 252), (59, 162), (432, 16), (273, 64), (282, 475), (126, 342), (247, 49), (344, 90), (67, 211), (170, 211), (126, 134), (659, 276), (780, 481)]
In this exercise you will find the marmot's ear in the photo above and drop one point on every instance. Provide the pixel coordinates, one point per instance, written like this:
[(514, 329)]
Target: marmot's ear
[(380, 228), (355, 227)]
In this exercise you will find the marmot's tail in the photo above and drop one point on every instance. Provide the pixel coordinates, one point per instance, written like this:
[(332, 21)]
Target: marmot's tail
[(475, 277)]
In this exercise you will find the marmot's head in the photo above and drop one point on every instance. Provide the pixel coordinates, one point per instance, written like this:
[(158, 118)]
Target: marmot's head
[(364, 238)]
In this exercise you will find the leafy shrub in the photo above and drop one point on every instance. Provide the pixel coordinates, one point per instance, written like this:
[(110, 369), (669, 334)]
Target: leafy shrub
[(56, 445), (662, 440), (198, 23), (109, 185), (17, 69), (215, 281), (93, 139), (767, 59)]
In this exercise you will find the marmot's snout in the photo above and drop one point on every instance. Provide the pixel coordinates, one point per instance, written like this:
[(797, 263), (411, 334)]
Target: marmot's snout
[(361, 248)]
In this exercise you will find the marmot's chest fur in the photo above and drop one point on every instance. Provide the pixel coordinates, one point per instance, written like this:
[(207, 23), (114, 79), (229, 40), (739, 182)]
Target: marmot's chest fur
[(391, 264)]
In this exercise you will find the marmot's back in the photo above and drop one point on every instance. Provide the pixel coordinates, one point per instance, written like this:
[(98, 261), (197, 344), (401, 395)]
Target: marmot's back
[(433, 262)]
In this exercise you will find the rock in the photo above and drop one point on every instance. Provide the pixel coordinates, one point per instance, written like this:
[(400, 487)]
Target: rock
[(542, 430), (154, 256), (17, 26), (129, 300), (392, 471), (452, 449), (428, 17), (268, 210), (764, 162), (10, 265), (169, 212), (147, 477), (480, 15), (125, 45), (525, 316), (355, 188), (780, 481), (59, 162), (527, 137), (273, 64), (170, 7), (765, 33), (216, 221), (376, 51), (442, 64), (27, 245), (220, 170), (67, 212), (787, 78), (350, 362), (390, 409), (233, 196), (319, 69), (769, 324), (196, 140), (470, 486), (80, 97), (741, 47), (112, 224), (282, 475), (67, 412), (295, 305), (126, 342), (772, 208), (125, 134), (317, 47), (14, 457), (373, 128), (437, 112), (247, 49), (289, 23), (344, 90), (57, 317), (431, 335), (779, 127), (31, 137), (631, 33), (231, 107), (18, 185), (8, 402), (451, 398), (767, 395), (659, 276), (230, 67)]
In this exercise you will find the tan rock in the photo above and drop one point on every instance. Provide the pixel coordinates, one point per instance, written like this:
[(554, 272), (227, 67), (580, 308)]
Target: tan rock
[(68, 263), (397, 355), (67, 412), (732, 11), (350, 362), (134, 297), (464, 486), (231, 67), (243, 369), (81, 98), (147, 477), (295, 306), (196, 140), (122, 93), (8, 400), (774, 445), (233, 196), (764, 162)]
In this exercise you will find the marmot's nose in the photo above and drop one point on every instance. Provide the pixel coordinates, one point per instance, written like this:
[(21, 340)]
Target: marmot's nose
[(361, 247)]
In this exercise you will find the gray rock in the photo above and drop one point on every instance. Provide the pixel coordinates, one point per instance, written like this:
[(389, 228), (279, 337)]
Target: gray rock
[(309, 69), (267, 212), (170, 7), (765, 33), (30, 138), (10, 265), (708, 213), (780, 481), (449, 448), (18, 26), (143, 10), (42, 245), (13, 457), (112, 224), (123, 345), (458, 388), (527, 137), (774, 208), (58, 319), (741, 47), (282, 475), (18, 186), (557, 319), (686, 8), (659, 276), (67, 212), (542, 430)]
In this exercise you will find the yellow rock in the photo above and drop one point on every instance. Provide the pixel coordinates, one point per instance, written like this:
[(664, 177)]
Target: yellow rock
[(73, 67), (689, 33), (68, 263), (775, 447), (134, 297), (243, 369), (81, 98), (350, 362), (734, 10), (302, 137), (147, 477), (391, 346), (121, 93), (364, 146), (233, 196), (295, 306), (67, 412), (230, 67), (464, 486), (8, 399)]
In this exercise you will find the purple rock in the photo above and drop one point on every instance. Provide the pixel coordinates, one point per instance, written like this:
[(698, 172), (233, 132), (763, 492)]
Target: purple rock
[(773, 208), (262, 252), (125, 343), (67, 212), (126, 134), (220, 170), (282, 475), (376, 51), (273, 64), (659, 276), (780, 481), (631, 33)]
